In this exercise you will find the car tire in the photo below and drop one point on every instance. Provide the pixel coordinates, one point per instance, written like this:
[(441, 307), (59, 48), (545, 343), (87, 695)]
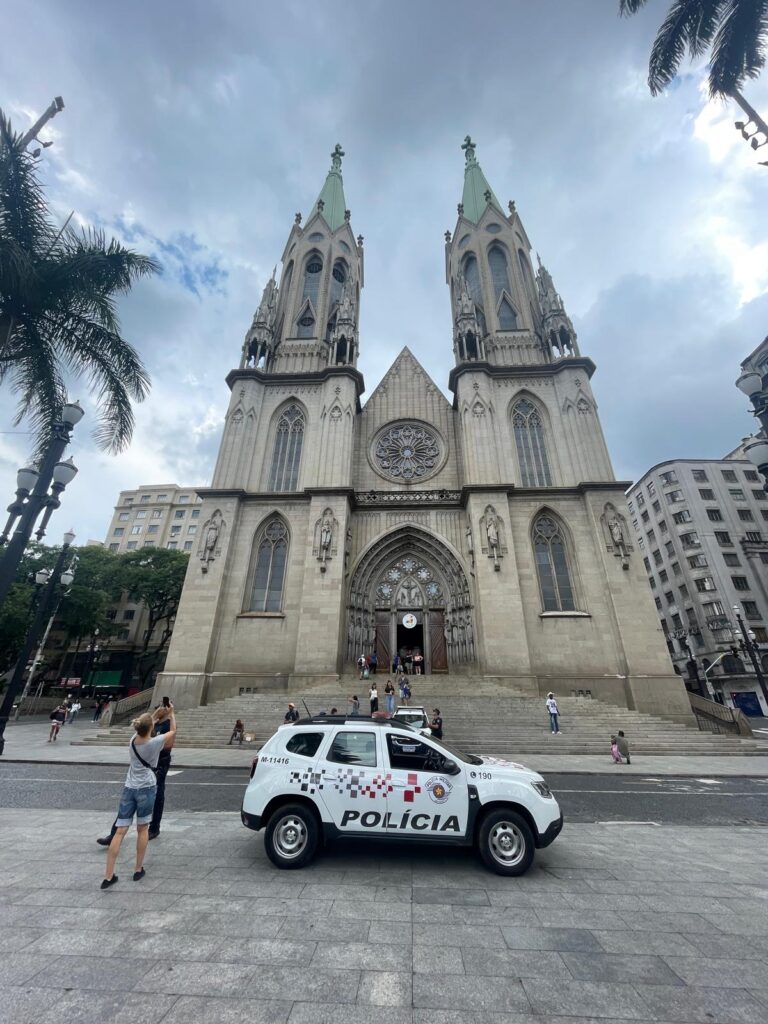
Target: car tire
[(505, 842), (292, 836)]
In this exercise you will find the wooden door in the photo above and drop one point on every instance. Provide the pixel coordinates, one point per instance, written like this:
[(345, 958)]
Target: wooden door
[(438, 650), (383, 639)]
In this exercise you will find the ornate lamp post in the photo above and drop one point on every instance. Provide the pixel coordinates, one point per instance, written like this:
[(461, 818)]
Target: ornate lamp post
[(48, 582), (747, 644), (32, 496), (750, 383)]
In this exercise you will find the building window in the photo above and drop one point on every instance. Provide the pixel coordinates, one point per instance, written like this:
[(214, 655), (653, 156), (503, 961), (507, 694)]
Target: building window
[(656, 507), (669, 597), (497, 263), (127, 501), (714, 515), (118, 531), (657, 602), (651, 488), (652, 581), (746, 516), (764, 513), (187, 545), (723, 538), (729, 476), (141, 514), (760, 495), (175, 531), (195, 513), (669, 547), (172, 544), (157, 513), (750, 609), (152, 529), (145, 498), (673, 497), (677, 622), (731, 559), (640, 500), (286, 455), (704, 584), (131, 545), (135, 530), (682, 517), (663, 528), (750, 474), (707, 494), (269, 575), (645, 516), (552, 566), (657, 557), (663, 576), (531, 447), (191, 529), (713, 609), (762, 638), (700, 476), (740, 582), (698, 562), (676, 568), (736, 493), (162, 497), (683, 591), (179, 513), (472, 277), (669, 477), (764, 557), (184, 499), (129, 614), (754, 536), (149, 544), (647, 564), (114, 547), (123, 517), (651, 537)]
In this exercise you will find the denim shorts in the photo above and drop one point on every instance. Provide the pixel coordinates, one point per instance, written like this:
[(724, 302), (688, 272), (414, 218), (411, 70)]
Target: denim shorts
[(136, 801)]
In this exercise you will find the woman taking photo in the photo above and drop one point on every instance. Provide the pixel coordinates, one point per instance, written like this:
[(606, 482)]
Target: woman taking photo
[(139, 791)]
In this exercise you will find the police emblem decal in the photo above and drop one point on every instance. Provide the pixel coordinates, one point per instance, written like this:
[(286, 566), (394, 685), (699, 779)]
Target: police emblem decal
[(439, 789)]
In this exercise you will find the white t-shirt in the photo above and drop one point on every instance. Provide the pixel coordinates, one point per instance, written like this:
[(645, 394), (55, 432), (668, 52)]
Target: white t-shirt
[(138, 776), (374, 693), (552, 705)]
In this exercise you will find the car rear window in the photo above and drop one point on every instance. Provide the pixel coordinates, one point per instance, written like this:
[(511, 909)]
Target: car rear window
[(305, 744), (354, 748)]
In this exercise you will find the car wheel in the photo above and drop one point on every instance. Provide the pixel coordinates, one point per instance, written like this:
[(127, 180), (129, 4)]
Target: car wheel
[(505, 842), (292, 836)]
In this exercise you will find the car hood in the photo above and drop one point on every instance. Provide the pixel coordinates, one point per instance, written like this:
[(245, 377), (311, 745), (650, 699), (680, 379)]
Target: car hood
[(512, 768)]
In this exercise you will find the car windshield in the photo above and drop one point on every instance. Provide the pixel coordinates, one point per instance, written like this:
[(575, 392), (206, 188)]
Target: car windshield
[(453, 751)]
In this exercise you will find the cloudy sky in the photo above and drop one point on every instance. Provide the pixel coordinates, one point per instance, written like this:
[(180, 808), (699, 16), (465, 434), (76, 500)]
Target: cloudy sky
[(195, 131)]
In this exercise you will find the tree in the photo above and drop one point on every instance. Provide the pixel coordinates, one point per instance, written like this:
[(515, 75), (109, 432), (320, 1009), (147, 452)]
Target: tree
[(17, 610), (155, 577), (94, 590), (735, 31), (58, 316)]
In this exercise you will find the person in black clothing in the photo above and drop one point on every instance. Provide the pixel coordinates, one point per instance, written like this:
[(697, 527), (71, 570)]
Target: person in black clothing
[(436, 725), (291, 715)]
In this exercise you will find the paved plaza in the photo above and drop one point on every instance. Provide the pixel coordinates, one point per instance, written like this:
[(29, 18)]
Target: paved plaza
[(613, 922)]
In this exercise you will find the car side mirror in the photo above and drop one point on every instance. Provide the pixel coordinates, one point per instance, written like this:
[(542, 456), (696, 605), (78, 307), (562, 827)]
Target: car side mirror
[(450, 767)]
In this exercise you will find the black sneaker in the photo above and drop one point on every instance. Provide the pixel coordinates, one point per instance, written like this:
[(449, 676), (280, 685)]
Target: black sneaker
[(138, 875), (153, 835), (108, 882), (104, 841)]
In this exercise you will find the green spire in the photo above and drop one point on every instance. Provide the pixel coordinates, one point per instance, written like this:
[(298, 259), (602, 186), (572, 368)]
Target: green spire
[(477, 192), (333, 208)]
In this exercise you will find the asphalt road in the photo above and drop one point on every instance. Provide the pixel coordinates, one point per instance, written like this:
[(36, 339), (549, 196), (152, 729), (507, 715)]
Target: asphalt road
[(583, 798)]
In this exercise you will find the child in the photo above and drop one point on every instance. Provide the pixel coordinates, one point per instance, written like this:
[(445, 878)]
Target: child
[(615, 751)]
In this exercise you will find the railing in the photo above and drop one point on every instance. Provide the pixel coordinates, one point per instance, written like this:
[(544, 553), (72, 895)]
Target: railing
[(128, 705), (714, 717)]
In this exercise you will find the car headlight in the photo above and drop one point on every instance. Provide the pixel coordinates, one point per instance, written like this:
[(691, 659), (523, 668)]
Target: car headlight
[(543, 790)]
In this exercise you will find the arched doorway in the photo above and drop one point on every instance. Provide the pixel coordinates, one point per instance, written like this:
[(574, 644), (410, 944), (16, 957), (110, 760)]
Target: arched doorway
[(410, 593)]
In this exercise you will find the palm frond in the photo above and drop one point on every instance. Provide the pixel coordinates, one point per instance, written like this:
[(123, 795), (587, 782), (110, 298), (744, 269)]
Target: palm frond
[(629, 7), (23, 212), (739, 49), (670, 45)]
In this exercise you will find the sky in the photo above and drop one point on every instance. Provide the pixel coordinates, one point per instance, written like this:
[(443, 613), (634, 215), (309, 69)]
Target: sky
[(194, 131)]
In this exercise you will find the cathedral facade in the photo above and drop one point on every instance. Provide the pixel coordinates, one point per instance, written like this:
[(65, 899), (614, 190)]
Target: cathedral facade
[(487, 533)]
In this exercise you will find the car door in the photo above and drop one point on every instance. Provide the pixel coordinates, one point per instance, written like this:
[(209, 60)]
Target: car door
[(422, 799), (351, 780)]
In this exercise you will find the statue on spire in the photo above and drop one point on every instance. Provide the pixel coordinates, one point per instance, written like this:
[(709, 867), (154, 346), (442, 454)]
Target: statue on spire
[(468, 334), (559, 333), (336, 156), (258, 344), (469, 150)]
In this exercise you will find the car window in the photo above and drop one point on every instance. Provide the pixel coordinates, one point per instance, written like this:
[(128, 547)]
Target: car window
[(411, 717), (304, 743), (410, 753), (354, 748)]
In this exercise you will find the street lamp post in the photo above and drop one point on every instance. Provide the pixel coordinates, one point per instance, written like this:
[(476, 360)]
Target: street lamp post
[(92, 654), (32, 496), (42, 614), (750, 383), (748, 644)]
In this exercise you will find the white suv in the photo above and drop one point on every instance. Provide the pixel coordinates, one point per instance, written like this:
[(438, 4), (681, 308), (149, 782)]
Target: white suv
[(332, 776)]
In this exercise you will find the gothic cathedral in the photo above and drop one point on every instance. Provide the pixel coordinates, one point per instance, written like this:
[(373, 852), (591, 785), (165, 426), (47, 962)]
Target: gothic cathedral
[(487, 533)]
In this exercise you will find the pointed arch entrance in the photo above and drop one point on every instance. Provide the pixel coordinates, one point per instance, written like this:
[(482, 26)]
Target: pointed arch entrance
[(409, 592)]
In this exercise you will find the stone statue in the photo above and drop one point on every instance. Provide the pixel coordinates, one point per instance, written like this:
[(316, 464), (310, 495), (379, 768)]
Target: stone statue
[(211, 533), (493, 533), (347, 547), (616, 532), (326, 532), (614, 529)]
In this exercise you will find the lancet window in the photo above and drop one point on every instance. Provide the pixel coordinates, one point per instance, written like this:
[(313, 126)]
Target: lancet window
[(286, 454), (552, 565), (497, 261), (271, 547), (472, 277), (312, 273), (531, 446)]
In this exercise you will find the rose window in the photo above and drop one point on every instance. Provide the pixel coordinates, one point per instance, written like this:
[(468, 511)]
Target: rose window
[(408, 451)]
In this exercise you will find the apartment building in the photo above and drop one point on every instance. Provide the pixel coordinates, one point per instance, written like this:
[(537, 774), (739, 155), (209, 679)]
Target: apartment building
[(165, 516), (702, 528)]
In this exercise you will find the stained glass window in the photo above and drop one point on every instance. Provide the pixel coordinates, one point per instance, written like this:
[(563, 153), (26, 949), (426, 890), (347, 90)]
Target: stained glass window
[(271, 558), (552, 566), (531, 447), (286, 455)]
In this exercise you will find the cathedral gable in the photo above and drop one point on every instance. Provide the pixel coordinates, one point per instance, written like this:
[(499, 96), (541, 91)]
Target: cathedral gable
[(404, 388)]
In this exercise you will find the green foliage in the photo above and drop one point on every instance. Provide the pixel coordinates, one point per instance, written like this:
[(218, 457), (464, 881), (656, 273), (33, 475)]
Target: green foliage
[(16, 612), (58, 315), (94, 590), (735, 31)]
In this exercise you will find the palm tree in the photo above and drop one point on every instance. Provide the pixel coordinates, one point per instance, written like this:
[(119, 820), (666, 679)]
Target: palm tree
[(58, 317), (735, 31)]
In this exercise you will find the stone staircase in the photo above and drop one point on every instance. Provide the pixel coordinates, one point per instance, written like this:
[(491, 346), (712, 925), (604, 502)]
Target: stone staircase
[(480, 716)]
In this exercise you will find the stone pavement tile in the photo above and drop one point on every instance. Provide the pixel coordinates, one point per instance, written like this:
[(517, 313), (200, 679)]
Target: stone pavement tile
[(91, 1007), (683, 904), (555, 939), (581, 873), (483, 995), (169, 946), (579, 919), (74, 942), (386, 988), (233, 925), (513, 963), (585, 999), (351, 891), (18, 968), (90, 972), (741, 905), (613, 902), (133, 899), (706, 970), (363, 956), (13, 913), (655, 943), (394, 893), (427, 960), (761, 994), (517, 897), (52, 918), (64, 897), (370, 910), (653, 921), (625, 887), (14, 939), (189, 886), (305, 986), (650, 970), (701, 1005), (734, 924), (487, 915), (311, 1013), (212, 1010), (195, 979), (456, 897), (330, 928), (264, 951), (400, 932), (457, 935), (155, 920), (743, 947), (24, 1005)]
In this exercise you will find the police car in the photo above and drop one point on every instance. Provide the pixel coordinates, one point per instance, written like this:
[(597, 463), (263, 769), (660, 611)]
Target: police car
[(333, 776)]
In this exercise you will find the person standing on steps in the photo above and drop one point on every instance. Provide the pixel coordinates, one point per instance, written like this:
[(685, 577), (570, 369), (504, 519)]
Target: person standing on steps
[(374, 698), (354, 702), (623, 745), (389, 697), (553, 714), (291, 715)]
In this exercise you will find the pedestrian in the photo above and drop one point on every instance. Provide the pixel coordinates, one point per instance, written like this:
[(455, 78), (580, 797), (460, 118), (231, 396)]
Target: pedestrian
[(373, 662), (97, 709), (418, 661), (436, 725), (361, 664), (400, 685), (389, 697), (623, 745), (374, 698), (238, 733), (615, 751), (354, 703), (553, 714), (334, 711), (139, 791), (395, 664), (406, 692), (74, 711), (291, 715), (58, 717)]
